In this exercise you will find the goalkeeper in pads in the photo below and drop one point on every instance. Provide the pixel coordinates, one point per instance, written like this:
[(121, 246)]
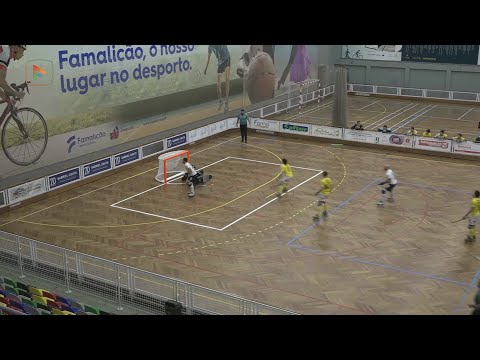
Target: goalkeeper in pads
[(323, 195), (193, 177)]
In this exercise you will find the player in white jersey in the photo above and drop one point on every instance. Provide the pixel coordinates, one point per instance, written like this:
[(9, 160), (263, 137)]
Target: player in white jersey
[(191, 177), (391, 180), (194, 177)]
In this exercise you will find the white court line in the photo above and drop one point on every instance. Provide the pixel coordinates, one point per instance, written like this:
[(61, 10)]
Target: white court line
[(323, 106), (412, 117), (448, 118), (270, 201), (266, 162), (167, 218), (316, 117), (389, 117), (173, 177), (464, 114), (104, 187), (368, 105), (319, 172), (371, 111)]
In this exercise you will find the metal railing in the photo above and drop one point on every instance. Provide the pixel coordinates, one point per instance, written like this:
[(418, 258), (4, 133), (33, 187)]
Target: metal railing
[(413, 92), (118, 283)]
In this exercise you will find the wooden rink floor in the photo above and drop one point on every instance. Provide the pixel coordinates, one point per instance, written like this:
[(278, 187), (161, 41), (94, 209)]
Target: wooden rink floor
[(397, 114), (234, 236)]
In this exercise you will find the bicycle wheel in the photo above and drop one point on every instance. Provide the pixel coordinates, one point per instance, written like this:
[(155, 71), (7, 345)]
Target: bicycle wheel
[(24, 137)]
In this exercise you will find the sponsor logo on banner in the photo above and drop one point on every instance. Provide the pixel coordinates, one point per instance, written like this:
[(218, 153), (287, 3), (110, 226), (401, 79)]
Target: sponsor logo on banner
[(115, 133), (395, 140), (218, 127), (434, 143), (327, 131), (175, 141), (295, 128), (372, 52), (264, 124), (97, 167), (73, 142), (466, 148), (232, 123), (363, 136), (198, 134), (25, 191), (3, 201), (39, 72), (126, 157), (63, 178)]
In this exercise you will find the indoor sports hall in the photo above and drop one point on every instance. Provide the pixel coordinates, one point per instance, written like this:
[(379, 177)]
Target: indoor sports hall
[(129, 234)]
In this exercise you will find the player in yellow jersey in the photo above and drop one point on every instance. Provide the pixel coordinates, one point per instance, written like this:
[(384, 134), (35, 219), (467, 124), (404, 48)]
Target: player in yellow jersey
[(474, 213), (323, 195), (287, 175)]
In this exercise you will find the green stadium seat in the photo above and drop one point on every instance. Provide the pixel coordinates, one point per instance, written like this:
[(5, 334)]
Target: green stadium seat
[(9, 282), (27, 301), (22, 286), (92, 310), (22, 292)]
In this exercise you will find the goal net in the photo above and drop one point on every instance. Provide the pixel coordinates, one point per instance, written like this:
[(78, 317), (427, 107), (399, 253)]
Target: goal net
[(170, 165)]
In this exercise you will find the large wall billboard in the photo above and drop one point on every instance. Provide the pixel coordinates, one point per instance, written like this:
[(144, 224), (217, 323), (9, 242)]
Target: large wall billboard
[(91, 97)]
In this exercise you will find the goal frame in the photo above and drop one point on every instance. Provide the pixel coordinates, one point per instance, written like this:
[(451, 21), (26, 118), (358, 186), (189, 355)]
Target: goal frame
[(180, 153)]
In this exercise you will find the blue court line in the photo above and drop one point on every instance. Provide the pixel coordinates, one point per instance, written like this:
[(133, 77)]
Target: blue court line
[(345, 203), (467, 291), (291, 243)]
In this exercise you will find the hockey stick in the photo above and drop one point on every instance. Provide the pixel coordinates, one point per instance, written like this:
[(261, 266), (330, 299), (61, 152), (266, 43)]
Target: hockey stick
[(455, 221)]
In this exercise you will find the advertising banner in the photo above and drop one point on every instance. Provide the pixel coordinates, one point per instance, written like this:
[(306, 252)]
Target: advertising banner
[(25, 191), (466, 147), (449, 54), (231, 123), (295, 128), (433, 144), (395, 140), (126, 157), (199, 133), (97, 167), (372, 52), (358, 135), (64, 178), (218, 127), (177, 140), (265, 124), (91, 97), (327, 132)]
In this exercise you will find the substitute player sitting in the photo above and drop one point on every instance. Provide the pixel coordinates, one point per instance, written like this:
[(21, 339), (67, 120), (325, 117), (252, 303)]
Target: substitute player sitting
[(474, 218), (323, 195), (287, 175), (392, 182)]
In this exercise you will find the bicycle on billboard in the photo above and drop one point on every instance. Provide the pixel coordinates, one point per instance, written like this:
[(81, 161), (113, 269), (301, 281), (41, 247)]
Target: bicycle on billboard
[(24, 133)]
